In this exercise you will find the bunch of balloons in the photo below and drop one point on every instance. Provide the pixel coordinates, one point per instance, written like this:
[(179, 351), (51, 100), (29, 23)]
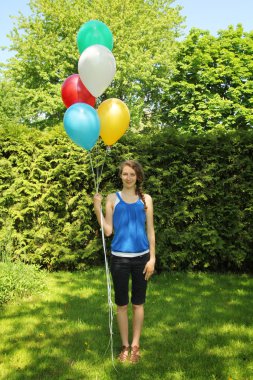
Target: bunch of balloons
[(96, 70)]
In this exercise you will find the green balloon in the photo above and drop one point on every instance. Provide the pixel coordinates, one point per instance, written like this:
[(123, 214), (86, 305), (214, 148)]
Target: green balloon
[(92, 33)]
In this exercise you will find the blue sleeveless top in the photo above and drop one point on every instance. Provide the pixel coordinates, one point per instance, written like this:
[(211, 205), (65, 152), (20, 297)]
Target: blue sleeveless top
[(129, 224)]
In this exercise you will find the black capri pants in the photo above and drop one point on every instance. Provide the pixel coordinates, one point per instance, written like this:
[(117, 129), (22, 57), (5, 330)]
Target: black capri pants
[(121, 269)]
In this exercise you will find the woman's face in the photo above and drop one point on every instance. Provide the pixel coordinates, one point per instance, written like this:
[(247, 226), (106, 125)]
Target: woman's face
[(128, 177)]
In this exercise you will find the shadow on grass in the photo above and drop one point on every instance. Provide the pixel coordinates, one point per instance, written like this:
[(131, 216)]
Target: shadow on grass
[(204, 325), (59, 337), (197, 326)]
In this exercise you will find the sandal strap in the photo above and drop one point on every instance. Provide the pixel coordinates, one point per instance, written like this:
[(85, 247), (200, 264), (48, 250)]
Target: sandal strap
[(124, 353), (135, 354)]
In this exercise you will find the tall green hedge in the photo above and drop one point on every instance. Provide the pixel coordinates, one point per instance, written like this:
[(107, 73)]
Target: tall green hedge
[(203, 193), (45, 202), (202, 186)]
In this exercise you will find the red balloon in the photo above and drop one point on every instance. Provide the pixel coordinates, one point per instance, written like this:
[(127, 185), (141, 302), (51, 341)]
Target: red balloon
[(74, 91)]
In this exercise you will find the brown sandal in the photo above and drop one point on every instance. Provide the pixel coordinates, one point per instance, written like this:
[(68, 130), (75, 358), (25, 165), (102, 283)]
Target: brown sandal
[(123, 356), (135, 354)]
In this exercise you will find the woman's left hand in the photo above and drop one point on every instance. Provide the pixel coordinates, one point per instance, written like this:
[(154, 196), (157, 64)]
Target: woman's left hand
[(149, 269)]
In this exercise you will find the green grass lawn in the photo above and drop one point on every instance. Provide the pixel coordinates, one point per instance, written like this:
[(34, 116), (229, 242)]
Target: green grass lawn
[(197, 326)]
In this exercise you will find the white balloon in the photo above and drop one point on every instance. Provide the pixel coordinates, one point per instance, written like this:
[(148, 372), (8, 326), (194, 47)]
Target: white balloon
[(96, 67)]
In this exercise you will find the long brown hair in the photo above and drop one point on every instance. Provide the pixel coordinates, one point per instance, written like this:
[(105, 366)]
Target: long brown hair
[(136, 166)]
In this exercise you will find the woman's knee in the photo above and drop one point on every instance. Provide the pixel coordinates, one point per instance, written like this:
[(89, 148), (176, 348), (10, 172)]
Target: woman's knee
[(122, 309), (137, 307)]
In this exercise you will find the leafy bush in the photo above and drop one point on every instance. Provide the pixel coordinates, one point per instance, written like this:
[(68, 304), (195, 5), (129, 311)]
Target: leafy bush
[(19, 280), (45, 199), (201, 186), (203, 196)]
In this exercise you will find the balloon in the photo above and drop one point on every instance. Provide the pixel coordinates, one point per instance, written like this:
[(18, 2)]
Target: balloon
[(82, 124), (92, 33), (96, 67), (114, 120), (74, 91)]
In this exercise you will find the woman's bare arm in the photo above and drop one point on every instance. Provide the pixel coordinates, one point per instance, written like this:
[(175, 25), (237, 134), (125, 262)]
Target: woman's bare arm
[(106, 220)]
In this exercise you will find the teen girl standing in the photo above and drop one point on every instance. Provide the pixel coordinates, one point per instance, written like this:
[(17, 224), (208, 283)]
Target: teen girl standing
[(129, 216)]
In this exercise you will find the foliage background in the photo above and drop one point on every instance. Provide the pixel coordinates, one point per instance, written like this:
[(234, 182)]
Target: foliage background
[(191, 128), (144, 49), (201, 185)]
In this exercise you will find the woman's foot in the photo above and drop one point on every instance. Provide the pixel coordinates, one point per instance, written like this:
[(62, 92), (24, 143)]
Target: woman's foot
[(135, 354), (123, 356)]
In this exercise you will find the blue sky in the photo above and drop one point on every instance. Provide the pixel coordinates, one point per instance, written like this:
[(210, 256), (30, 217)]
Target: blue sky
[(209, 15), (9, 8), (217, 14)]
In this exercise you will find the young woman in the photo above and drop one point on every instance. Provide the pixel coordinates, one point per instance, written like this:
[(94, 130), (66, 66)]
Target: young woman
[(129, 216)]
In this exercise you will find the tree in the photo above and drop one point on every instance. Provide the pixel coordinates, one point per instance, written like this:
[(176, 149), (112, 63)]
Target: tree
[(212, 85), (144, 47), (8, 103)]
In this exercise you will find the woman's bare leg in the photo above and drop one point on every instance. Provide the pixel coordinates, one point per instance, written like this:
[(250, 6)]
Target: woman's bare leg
[(122, 319), (138, 318)]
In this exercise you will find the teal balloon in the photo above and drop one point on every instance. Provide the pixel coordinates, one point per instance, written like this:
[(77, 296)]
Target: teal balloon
[(94, 32), (82, 125)]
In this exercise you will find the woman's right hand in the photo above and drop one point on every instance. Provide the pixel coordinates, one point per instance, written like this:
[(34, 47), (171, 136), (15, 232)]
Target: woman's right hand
[(97, 201)]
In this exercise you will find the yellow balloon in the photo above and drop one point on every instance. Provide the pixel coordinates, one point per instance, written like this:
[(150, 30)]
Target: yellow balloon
[(114, 120)]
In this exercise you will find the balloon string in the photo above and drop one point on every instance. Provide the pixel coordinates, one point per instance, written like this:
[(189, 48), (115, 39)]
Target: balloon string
[(109, 290), (99, 175), (96, 147), (97, 178), (93, 172), (107, 271)]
